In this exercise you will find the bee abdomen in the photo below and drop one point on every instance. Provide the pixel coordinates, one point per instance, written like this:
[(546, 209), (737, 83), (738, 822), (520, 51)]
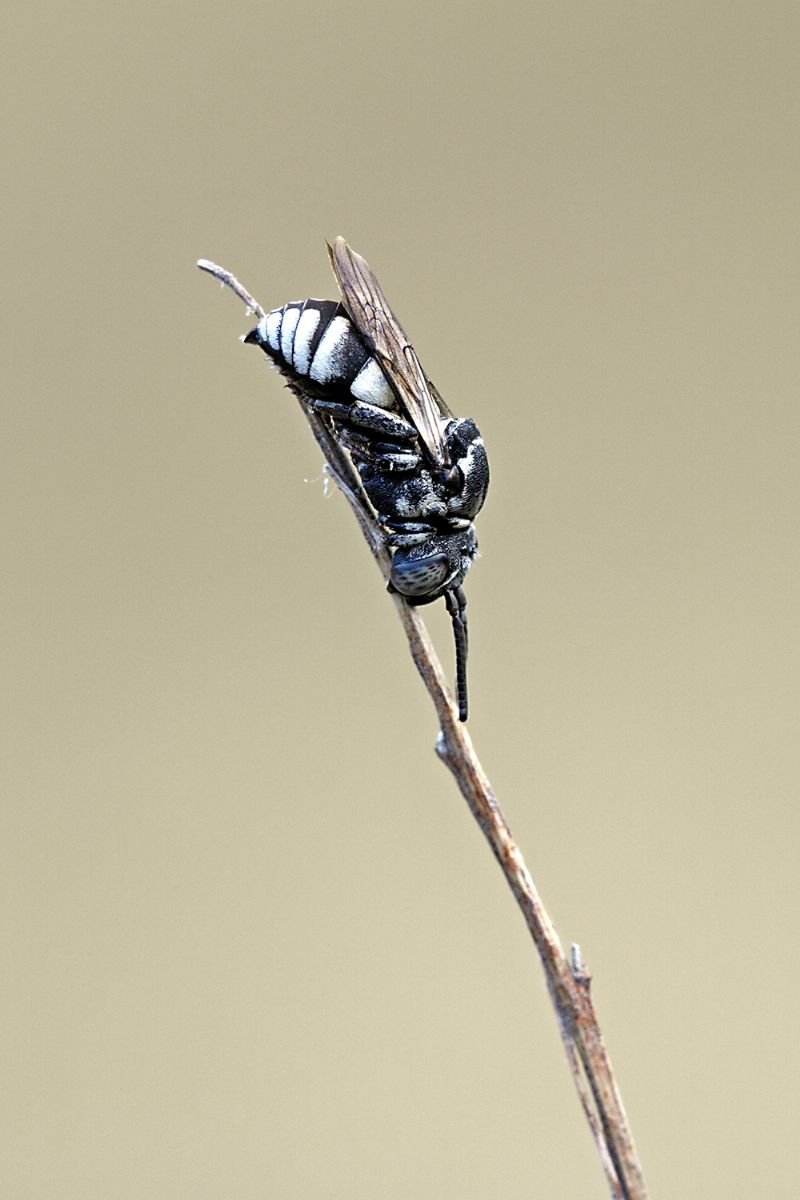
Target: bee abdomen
[(317, 340)]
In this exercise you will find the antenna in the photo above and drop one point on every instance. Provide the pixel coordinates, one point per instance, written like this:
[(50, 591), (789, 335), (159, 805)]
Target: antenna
[(456, 603)]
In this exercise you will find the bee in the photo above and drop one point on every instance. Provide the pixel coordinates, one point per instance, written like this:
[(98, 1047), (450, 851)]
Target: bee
[(424, 471)]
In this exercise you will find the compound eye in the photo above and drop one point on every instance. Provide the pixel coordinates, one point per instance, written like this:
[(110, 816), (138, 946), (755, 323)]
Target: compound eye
[(417, 577)]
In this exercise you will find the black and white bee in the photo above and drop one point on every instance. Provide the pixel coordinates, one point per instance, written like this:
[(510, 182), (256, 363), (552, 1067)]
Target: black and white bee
[(424, 471)]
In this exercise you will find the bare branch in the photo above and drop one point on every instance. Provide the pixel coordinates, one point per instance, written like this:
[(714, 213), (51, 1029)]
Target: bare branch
[(229, 280), (568, 981)]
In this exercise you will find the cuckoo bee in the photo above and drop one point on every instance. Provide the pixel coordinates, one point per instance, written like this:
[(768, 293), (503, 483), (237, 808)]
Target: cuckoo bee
[(424, 471)]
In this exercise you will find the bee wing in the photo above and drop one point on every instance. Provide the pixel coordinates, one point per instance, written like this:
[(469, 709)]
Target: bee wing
[(373, 318)]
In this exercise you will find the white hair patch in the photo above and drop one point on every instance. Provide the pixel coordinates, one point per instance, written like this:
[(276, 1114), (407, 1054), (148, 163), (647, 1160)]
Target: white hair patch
[(306, 328), (370, 385)]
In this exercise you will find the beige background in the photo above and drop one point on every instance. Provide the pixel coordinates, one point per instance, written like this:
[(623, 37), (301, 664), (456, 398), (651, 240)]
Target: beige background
[(254, 946)]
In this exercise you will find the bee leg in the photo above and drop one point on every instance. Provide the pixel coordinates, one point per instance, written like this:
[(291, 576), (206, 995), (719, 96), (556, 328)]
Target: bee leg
[(368, 417), (456, 603), (405, 533), (383, 457)]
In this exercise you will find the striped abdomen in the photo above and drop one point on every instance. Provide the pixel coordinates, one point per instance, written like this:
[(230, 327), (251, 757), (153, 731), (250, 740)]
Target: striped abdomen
[(315, 339)]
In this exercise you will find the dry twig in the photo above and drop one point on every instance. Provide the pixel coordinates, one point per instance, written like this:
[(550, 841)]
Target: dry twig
[(568, 981)]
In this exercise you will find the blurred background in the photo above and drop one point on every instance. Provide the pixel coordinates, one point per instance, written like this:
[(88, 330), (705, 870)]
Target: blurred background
[(254, 944)]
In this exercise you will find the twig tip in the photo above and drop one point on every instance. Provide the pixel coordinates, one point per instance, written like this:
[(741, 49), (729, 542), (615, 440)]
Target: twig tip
[(228, 279)]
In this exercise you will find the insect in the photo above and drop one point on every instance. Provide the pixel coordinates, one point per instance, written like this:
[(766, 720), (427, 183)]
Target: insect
[(424, 471)]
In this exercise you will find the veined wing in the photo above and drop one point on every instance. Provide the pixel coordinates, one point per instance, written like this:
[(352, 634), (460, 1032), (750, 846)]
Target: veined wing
[(369, 311)]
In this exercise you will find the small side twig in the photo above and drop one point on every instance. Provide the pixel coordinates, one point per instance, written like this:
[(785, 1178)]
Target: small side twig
[(568, 981)]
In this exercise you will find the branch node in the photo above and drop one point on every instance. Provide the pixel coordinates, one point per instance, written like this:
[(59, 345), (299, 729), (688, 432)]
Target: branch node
[(580, 972)]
